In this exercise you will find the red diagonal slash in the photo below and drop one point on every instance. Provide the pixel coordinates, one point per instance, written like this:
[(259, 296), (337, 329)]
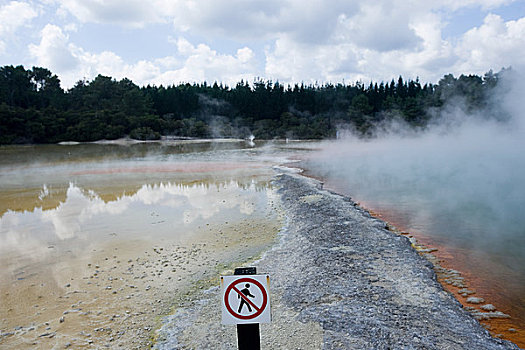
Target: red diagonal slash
[(246, 298)]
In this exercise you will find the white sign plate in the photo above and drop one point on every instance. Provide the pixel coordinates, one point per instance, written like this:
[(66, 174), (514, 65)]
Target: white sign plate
[(245, 299)]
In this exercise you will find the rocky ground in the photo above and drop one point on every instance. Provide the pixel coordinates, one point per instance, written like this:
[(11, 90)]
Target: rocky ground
[(115, 297), (339, 280)]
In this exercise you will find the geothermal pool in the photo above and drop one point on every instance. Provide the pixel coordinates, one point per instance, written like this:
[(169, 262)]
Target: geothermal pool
[(98, 240), (462, 193)]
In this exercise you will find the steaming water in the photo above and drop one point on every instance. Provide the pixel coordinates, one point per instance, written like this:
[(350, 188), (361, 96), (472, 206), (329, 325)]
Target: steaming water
[(458, 186), (56, 194), (64, 208), (463, 190)]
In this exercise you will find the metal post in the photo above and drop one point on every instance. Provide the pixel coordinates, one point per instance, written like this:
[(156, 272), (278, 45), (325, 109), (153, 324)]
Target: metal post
[(248, 337)]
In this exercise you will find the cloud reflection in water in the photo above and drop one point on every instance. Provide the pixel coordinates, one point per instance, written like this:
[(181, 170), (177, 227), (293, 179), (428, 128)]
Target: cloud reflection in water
[(162, 209)]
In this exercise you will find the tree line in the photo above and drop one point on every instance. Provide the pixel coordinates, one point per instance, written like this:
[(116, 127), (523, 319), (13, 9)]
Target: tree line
[(34, 108)]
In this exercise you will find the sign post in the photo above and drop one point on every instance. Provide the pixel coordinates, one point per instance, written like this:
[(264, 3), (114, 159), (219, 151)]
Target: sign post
[(246, 303)]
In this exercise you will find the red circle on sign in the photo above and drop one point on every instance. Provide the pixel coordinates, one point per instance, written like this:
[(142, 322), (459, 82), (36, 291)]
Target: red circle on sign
[(259, 310)]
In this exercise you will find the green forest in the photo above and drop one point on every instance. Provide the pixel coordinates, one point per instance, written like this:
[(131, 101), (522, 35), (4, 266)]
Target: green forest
[(34, 108)]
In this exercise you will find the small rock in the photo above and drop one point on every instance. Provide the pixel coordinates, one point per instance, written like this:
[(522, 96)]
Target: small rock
[(488, 307), (479, 315), (50, 335), (475, 300), (62, 319), (465, 292)]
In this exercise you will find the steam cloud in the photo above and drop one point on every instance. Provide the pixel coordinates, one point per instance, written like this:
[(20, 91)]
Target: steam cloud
[(463, 178)]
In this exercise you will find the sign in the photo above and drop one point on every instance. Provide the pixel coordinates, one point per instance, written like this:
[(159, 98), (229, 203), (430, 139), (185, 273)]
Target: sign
[(245, 299)]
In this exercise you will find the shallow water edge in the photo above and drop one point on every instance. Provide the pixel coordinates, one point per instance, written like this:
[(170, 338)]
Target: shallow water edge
[(340, 275)]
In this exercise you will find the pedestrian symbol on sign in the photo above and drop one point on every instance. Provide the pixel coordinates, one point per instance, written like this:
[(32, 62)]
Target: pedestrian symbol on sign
[(246, 292)]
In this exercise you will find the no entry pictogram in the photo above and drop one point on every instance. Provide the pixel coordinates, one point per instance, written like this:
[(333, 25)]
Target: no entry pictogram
[(245, 299)]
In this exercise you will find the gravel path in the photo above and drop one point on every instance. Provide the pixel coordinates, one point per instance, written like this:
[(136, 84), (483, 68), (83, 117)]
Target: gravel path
[(339, 280)]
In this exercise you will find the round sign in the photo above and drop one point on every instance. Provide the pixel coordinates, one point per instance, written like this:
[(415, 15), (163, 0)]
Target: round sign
[(232, 288)]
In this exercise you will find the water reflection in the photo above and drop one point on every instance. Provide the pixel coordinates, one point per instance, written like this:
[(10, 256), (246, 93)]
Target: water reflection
[(158, 209), (70, 199), (97, 226)]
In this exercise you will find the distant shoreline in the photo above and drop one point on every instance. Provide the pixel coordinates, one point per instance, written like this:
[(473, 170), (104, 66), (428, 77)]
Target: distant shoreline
[(165, 139)]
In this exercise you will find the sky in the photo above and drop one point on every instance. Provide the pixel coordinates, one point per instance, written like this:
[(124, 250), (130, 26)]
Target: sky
[(164, 42)]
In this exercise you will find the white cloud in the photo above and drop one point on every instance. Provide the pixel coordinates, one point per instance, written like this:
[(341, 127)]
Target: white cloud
[(71, 27), (494, 44), (195, 63), (132, 13), (110, 64), (427, 60), (200, 63), (290, 61), (54, 52), (454, 5), (367, 41), (306, 21), (13, 16), (192, 62), (72, 63), (304, 40), (384, 41), (245, 55), (380, 27)]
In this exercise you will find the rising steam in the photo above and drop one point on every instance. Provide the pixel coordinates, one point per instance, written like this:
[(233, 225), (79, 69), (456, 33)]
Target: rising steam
[(463, 178)]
